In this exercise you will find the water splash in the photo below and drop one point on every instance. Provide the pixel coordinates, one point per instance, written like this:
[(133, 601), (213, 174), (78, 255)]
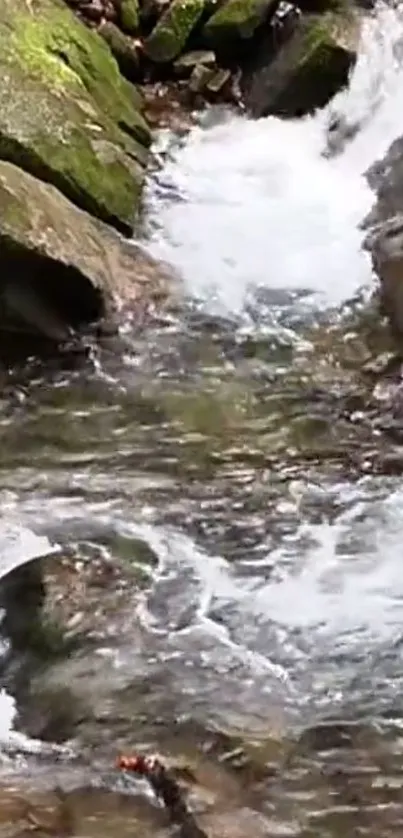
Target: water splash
[(259, 203)]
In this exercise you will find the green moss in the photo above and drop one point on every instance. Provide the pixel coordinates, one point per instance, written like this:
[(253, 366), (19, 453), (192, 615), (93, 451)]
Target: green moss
[(59, 47), (66, 114), (129, 15), (172, 31), (236, 18)]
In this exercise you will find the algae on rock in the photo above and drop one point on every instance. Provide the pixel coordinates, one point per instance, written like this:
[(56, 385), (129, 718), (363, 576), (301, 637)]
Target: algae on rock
[(170, 34), (66, 114), (234, 20), (130, 15)]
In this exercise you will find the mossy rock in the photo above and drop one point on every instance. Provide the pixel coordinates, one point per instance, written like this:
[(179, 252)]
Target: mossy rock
[(66, 113), (123, 49), (235, 20), (309, 69), (171, 33), (130, 16)]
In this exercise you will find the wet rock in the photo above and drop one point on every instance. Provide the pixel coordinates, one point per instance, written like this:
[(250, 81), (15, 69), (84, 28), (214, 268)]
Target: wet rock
[(170, 35), (307, 71), (124, 49), (236, 20), (58, 262), (386, 245), (386, 179), (66, 114)]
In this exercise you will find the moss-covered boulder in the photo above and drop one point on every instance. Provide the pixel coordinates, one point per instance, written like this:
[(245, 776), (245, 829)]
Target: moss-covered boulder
[(309, 69), (170, 34), (130, 16), (124, 50), (236, 20), (66, 113), (60, 267)]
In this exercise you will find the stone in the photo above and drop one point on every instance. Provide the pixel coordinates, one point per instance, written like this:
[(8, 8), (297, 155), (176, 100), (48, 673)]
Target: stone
[(199, 77), (385, 237), (129, 16), (307, 71), (66, 114), (236, 20), (198, 57), (216, 83), (61, 268), (386, 246), (123, 49), (386, 179), (171, 33)]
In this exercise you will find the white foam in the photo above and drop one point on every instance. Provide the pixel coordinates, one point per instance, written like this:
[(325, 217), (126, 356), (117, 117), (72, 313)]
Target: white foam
[(260, 205)]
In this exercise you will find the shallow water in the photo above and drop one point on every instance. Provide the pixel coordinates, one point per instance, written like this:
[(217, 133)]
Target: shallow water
[(224, 485)]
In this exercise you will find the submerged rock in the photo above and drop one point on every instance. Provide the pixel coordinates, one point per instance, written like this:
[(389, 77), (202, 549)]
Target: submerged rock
[(307, 71), (66, 114), (170, 35), (61, 268)]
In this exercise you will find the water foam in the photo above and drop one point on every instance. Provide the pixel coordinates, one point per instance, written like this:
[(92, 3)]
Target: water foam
[(257, 203)]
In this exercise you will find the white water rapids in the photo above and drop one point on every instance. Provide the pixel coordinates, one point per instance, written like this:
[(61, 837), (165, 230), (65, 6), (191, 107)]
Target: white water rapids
[(257, 202)]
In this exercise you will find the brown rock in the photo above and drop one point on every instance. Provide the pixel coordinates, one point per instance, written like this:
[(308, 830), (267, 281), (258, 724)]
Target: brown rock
[(60, 268)]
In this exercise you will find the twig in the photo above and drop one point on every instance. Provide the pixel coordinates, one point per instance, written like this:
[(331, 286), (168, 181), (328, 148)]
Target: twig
[(166, 789)]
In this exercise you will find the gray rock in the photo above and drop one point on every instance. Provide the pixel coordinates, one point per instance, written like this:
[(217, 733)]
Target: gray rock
[(386, 245)]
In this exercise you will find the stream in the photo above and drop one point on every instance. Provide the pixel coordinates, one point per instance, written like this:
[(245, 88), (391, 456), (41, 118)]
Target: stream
[(219, 497)]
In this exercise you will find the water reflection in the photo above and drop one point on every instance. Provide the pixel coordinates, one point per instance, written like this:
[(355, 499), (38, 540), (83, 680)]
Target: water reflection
[(229, 580)]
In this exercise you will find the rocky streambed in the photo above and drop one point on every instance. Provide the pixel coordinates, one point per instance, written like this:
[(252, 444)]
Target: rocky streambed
[(220, 464)]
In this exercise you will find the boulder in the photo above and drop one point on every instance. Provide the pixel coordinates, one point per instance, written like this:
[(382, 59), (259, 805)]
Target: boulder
[(66, 114), (310, 67), (234, 21), (171, 33), (60, 268)]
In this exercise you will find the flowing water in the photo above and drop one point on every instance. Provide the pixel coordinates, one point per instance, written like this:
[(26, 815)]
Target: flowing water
[(225, 490)]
